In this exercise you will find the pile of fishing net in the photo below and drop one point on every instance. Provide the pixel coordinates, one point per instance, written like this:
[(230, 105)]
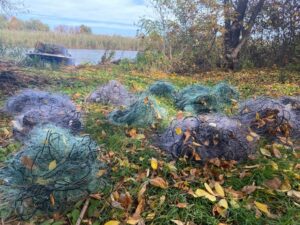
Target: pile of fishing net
[(142, 113), (202, 99), (162, 88), (50, 49), (207, 137), (113, 93), (272, 118), (31, 108), (52, 172)]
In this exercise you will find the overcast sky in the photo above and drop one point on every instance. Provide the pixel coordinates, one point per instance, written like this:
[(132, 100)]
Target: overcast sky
[(103, 16)]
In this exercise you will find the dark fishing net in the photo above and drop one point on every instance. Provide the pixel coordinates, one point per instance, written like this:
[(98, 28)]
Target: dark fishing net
[(271, 118), (113, 93), (162, 88), (211, 136), (52, 172), (50, 49), (31, 108), (144, 112), (201, 99)]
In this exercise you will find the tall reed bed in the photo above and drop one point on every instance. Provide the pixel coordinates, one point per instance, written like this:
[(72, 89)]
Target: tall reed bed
[(80, 41)]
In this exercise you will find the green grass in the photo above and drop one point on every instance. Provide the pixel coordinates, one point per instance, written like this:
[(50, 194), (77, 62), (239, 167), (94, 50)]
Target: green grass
[(129, 158)]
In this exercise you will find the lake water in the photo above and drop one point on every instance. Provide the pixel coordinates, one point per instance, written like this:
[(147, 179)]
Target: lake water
[(94, 56)]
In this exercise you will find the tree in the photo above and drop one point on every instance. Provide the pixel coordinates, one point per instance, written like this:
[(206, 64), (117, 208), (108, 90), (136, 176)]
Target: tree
[(239, 19), (83, 29)]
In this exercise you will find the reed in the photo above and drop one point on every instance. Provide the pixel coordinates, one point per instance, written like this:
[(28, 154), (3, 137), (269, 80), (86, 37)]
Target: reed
[(79, 41)]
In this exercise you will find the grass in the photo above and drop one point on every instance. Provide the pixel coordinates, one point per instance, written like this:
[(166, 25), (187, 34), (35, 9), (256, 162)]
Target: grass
[(129, 158), (80, 41)]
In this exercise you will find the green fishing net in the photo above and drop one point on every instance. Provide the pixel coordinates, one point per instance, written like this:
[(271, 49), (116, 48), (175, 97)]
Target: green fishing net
[(142, 113), (52, 172)]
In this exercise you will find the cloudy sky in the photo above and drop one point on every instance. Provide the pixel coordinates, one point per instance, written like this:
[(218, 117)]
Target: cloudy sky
[(103, 16)]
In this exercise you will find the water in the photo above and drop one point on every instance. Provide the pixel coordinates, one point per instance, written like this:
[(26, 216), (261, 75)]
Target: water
[(92, 56)]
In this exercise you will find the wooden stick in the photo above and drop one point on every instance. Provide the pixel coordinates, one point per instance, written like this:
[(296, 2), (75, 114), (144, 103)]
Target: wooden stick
[(85, 207)]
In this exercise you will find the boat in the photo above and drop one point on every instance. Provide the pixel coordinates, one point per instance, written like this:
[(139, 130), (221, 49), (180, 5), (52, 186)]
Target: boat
[(51, 53)]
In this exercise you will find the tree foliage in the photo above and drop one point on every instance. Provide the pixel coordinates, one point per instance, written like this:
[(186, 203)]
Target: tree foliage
[(201, 34)]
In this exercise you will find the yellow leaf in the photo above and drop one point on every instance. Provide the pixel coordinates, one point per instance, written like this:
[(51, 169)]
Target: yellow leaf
[(52, 165), (262, 207), (286, 186), (101, 173), (223, 203), (178, 222), (112, 222), (159, 182), (265, 152), (202, 193), (207, 187), (250, 138), (178, 131), (132, 221), (133, 133), (219, 189), (274, 165), (154, 164)]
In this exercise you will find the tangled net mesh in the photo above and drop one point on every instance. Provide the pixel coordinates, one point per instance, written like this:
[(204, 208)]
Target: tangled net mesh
[(201, 99), (162, 88), (113, 93), (272, 118), (52, 172), (207, 137), (144, 112), (31, 108)]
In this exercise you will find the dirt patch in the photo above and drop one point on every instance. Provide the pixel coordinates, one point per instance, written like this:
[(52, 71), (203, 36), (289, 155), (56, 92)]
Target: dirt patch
[(13, 79)]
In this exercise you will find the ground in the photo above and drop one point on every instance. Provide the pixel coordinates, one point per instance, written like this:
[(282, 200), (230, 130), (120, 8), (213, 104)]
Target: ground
[(148, 186)]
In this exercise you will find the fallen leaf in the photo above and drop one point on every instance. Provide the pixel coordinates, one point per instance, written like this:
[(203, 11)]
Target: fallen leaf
[(294, 194), (27, 162), (265, 152), (262, 207), (249, 138), (207, 187), (274, 165), (223, 203), (142, 191), (219, 189), (132, 221), (182, 205), (52, 165), (178, 222), (178, 131), (52, 199), (249, 189), (273, 184), (112, 222), (101, 173), (133, 133), (276, 153), (202, 193), (154, 164), (159, 182), (286, 186)]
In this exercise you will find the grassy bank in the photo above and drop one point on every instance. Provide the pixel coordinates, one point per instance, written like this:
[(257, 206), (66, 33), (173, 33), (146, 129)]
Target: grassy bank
[(81, 41), (129, 158)]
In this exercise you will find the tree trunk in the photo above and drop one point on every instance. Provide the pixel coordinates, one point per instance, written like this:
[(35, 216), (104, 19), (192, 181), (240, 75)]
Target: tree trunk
[(234, 28)]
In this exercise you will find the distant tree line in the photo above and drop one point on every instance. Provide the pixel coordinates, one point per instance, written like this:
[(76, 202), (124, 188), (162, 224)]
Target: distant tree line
[(13, 23), (200, 34)]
